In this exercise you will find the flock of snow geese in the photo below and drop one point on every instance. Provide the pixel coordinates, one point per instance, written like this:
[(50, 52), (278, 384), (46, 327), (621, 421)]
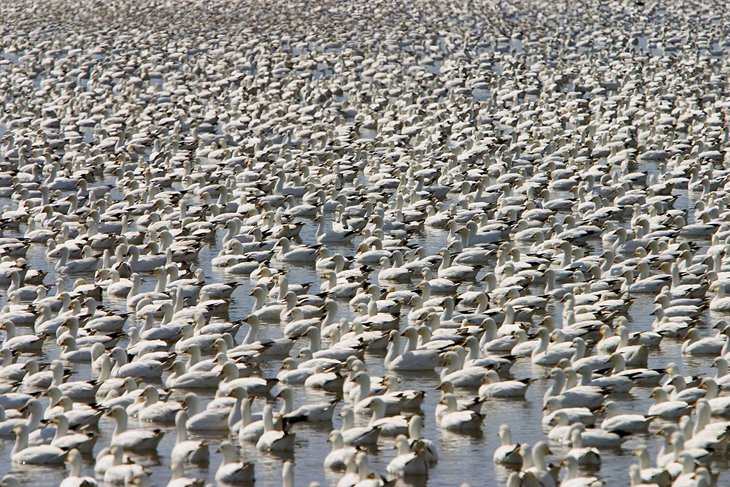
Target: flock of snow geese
[(234, 230)]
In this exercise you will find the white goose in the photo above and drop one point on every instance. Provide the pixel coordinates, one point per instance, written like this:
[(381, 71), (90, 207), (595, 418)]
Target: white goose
[(410, 461), (664, 408), (74, 479), (119, 472), (496, 387), (616, 422), (414, 360), (507, 453), (582, 396), (274, 439), (582, 455), (356, 435), (415, 428), (232, 470), (338, 458), (66, 440), (574, 479), (185, 450), (317, 413), (132, 440), (461, 376), (458, 420), (34, 455)]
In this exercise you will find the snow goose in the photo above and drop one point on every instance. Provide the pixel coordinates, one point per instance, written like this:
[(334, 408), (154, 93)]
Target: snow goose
[(720, 406), (74, 479), (185, 450), (666, 409), (635, 355), (326, 379), (144, 367), (265, 347), (469, 404), (647, 473), (11, 370), (359, 386), (507, 453), (593, 362), (20, 343), (78, 391), (270, 312), (582, 396), (212, 419), (695, 344), (415, 360), (119, 288), (250, 428), (616, 422), (411, 459), (8, 423), (454, 419), (177, 477), (374, 320), (697, 454), (646, 283), (455, 272), (316, 413), (298, 254), (691, 476), (119, 472), (475, 358), (720, 302), (78, 415), (609, 383), (340, 455), (560, 426), (231, 469), (274, 439), (663, 325), (356, 435), (546, 354), (722, 378), (34, 455), (386, 425), (574, 479), (436, 285), (132, 440), (465, 377), (40, 379), (415, 428), (537, 469), (291, 373), (582, 455), (70, 440), (154, 410), (333, 235), (495, 387), (181, 378), (392, 272), (679, 390), (642, 377), (336, 351), (410, 399), (84, 264)]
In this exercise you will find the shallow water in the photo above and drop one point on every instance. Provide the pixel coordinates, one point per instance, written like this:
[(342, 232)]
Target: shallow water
[(463, 457)]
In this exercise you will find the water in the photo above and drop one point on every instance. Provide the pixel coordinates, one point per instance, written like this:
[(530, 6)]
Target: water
[(463, 457)]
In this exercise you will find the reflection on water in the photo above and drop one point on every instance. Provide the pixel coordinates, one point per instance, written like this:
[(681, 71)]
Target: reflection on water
[(463, 457)]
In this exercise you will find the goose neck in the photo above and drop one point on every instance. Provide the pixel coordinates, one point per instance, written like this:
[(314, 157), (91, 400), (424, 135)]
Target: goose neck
[(21, 441)]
